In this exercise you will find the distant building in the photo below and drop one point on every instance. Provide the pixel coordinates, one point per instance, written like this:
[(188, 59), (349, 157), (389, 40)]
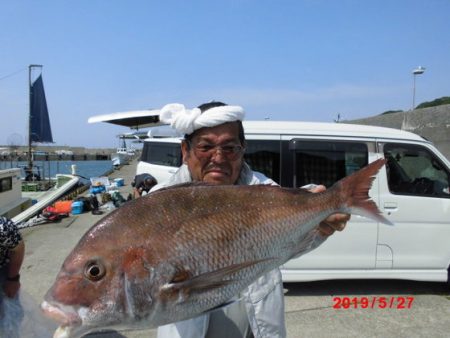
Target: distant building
[(64, 152)]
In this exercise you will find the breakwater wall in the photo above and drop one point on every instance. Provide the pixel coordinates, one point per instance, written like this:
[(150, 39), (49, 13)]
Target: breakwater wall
[(431, 123), (55, 157)]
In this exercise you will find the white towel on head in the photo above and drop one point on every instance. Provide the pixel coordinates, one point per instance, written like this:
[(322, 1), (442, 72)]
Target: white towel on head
[(186, 121)]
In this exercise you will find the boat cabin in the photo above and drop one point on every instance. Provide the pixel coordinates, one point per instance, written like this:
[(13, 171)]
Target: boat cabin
[(12, 202)]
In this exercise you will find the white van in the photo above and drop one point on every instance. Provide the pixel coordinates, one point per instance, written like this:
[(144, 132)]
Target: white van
[(412, 191)]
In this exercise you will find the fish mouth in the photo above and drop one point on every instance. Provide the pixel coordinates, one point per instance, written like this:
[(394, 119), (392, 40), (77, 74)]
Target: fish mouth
[(67, 317)]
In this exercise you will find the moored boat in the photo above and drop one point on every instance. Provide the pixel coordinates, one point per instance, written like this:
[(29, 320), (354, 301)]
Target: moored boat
[(124, 154), (63, 185), (21, 199), (11, 200)]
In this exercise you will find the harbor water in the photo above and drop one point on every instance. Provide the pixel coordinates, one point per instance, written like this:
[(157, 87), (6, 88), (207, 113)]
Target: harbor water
[(85, 169)]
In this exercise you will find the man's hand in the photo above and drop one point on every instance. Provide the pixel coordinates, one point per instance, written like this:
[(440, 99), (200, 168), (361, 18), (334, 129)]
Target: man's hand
[(333, 222), (16, 255)]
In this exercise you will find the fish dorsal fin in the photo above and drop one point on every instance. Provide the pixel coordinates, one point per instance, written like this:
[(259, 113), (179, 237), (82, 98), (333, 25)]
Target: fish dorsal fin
[(187, 185), (192, 184), (183, 284)]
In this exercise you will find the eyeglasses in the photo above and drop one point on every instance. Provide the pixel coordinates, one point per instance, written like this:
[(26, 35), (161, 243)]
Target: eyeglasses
[(206, 150)]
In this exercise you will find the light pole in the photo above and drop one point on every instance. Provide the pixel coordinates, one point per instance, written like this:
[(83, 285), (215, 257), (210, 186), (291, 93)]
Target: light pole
[(30, 156), (419, 70)]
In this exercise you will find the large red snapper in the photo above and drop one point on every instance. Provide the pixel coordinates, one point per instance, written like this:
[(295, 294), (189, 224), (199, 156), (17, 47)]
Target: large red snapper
[(178, 252)]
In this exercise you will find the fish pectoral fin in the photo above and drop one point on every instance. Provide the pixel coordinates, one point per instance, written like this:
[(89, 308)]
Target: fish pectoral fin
[(304, 244), (207, 281)]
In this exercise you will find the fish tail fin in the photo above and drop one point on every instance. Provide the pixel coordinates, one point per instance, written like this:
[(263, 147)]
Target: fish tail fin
[(354, 192)]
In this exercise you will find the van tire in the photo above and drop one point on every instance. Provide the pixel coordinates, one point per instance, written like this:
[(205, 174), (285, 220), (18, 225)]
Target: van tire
[(448, 277)]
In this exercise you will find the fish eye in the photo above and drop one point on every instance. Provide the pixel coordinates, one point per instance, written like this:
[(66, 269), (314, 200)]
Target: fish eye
[(94, 270)]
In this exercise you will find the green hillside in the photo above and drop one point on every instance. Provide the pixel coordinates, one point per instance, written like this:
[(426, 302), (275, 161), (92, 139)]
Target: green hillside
[(434, 103), (437, 102)]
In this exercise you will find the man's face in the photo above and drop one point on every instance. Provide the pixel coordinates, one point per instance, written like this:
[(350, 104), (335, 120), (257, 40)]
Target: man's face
[(215, 154)]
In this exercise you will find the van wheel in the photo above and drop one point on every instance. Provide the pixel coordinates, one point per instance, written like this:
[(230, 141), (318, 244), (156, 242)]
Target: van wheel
[(448, 277)]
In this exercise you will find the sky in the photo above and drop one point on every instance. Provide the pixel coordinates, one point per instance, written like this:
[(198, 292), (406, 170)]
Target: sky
[(308, 60)]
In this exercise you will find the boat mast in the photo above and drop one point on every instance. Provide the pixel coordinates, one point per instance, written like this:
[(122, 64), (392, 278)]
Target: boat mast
[(30, 157)]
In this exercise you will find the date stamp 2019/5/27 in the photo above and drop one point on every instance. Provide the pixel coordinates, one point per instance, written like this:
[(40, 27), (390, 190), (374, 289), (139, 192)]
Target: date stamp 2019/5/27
[(373, 302)]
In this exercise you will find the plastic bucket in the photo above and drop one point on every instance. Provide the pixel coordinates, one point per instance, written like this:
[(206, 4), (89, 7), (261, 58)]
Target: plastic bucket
[(97, 189), (77, 208), (119, 181)]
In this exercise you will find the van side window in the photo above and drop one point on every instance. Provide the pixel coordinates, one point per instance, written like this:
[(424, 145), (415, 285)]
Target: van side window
[(160, 153), (325, 162), (264, 156), (414, 170)]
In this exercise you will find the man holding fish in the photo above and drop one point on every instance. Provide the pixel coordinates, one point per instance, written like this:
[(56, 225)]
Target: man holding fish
[(213, 152), (177, 254)]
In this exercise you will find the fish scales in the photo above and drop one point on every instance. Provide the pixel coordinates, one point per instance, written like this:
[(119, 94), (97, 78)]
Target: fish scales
[(222, 230), (178, 252), (217, 240), (226, 240)]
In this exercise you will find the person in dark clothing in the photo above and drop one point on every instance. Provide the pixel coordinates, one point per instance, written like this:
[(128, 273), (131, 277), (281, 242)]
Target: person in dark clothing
[(12, 251), (143, 183)]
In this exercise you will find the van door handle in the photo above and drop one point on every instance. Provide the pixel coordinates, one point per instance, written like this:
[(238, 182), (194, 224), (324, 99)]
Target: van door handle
[(172, 171), (390, 205)]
